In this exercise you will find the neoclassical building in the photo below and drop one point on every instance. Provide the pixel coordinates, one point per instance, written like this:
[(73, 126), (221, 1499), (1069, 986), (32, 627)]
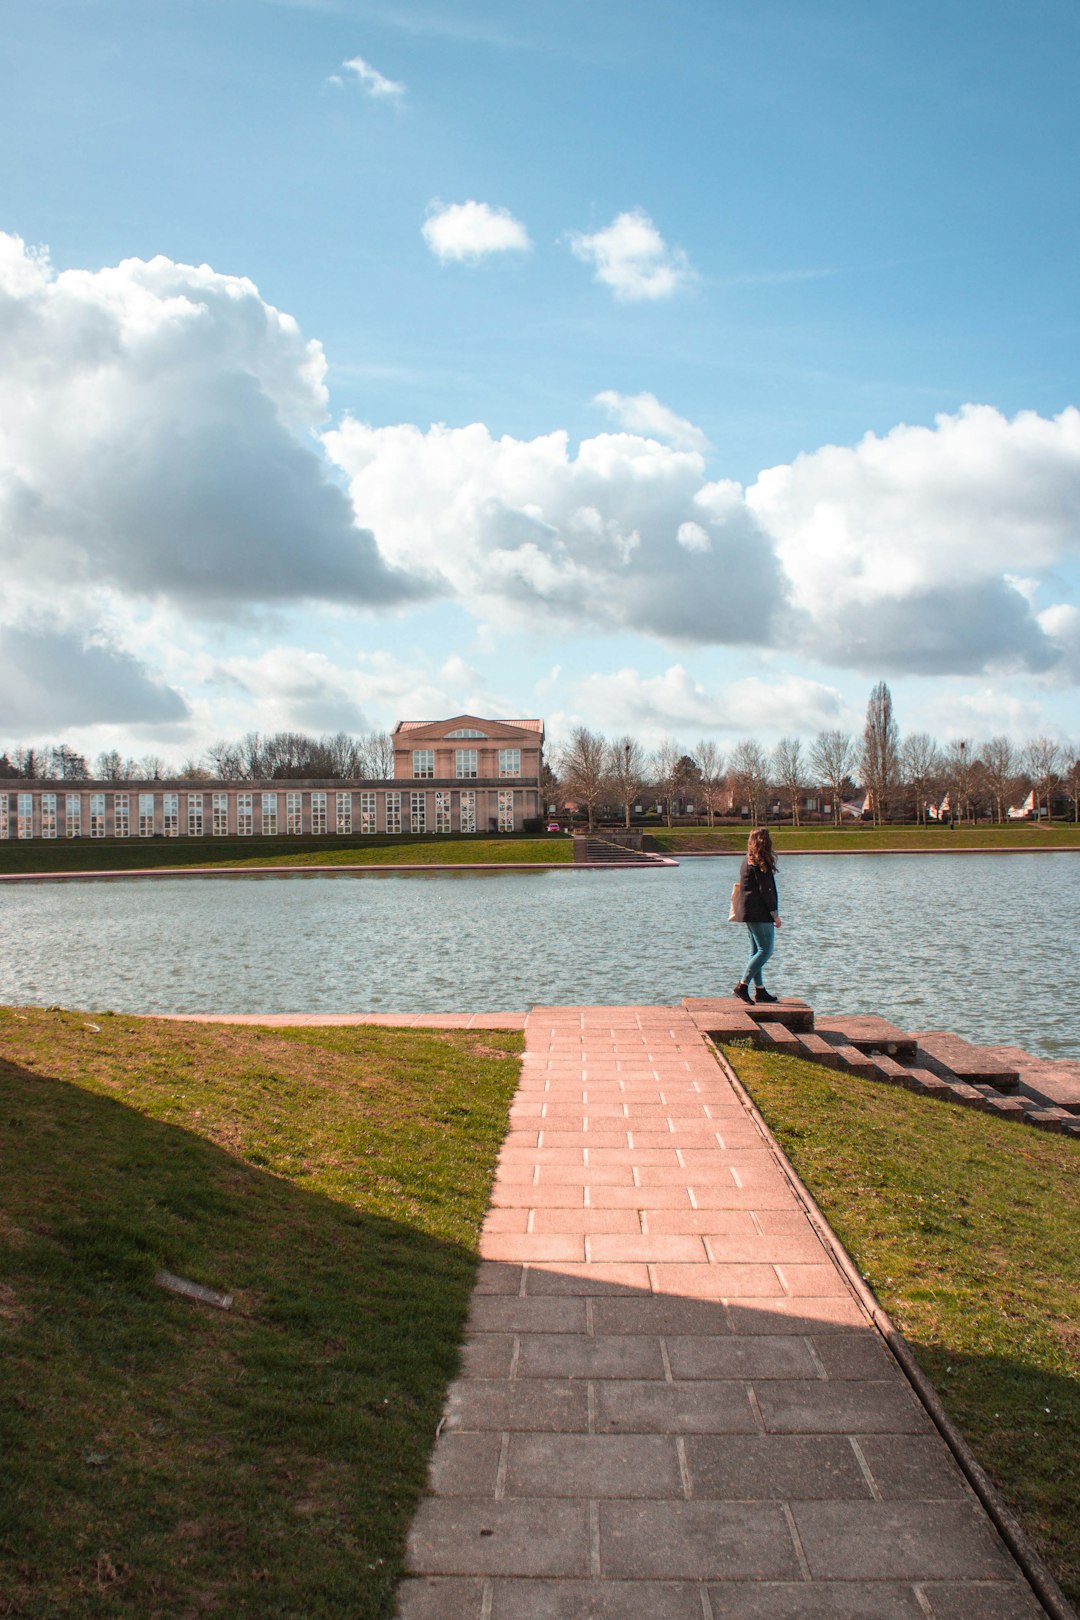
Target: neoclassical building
[(463, 775)]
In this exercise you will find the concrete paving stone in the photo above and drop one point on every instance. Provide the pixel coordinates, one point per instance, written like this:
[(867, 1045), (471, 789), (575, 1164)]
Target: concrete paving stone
[(716, 1195), (697, 1141), (763, 1467), (774, 1222), (454, 1536), (660, 1314), (654, 1157), (659, 1175), (719, 1225), (862, 1354), (982, 1600), (590, 1138), (593, 1466), (532, 1246), (632, 1197), (594, 1600), (492, 1277), (899, 1541), (601, 1277), (817, 1282), (835, 1314), (702, 1540), (790, 1251), (506, 1219), (687, 1407), (498, 1314), (912, 1467), (440, 1597), (465, 1465), (650, 1247), (487, 1355), (592, 1175), (556, 1406), (586, 1220), (525, 1195), (718, 1281), (855, 1406), (817, 1600), (728, 1356), (584, 1355)]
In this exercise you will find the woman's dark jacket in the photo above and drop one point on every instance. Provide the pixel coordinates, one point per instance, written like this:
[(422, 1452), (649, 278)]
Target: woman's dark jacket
[(756, 900)]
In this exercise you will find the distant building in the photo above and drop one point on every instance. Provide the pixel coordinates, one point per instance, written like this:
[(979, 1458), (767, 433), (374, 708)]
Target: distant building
[(464, 775)]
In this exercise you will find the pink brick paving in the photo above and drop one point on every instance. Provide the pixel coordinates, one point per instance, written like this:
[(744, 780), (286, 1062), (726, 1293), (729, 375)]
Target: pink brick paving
[(671, 1407)]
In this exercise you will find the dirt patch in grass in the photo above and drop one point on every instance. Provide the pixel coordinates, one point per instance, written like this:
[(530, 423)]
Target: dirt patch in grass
[(164, 1458), (968, 1230)]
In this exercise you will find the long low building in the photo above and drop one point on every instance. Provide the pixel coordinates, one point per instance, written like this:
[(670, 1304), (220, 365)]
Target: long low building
[(465, 775)]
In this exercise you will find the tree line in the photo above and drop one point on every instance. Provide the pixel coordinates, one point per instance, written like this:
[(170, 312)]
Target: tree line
[(255, 756)]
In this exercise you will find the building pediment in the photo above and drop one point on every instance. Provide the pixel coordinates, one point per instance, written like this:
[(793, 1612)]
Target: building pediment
[(469, 727)]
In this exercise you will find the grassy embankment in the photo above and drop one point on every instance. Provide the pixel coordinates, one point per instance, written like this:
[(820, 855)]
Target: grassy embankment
[(853, 840), (163, 1457), (125, 854), (968, 1230)]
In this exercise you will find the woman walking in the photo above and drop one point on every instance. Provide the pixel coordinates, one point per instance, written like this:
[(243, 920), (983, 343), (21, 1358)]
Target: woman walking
[(756, 905)]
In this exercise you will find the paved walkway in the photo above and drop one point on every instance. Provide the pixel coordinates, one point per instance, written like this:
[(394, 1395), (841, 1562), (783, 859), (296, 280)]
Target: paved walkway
[(671, 1406)]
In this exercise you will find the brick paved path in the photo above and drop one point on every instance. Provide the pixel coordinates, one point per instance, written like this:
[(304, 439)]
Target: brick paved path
[(671, 1406)]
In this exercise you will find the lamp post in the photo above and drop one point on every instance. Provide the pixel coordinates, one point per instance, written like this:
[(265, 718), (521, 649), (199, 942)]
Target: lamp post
[(960, 779), (626, 779)]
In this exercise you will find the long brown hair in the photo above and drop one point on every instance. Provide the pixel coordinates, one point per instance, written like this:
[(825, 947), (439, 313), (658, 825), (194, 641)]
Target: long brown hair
[(759, 850)]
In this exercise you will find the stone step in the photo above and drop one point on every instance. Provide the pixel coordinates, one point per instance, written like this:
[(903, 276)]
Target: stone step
[(975, 1065), (819, 1050), (776, 1037), (1053, 1081), (871, 1034), (788, 1010)]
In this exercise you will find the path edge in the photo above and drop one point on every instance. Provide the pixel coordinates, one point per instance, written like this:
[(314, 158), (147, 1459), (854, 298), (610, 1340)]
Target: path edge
[(1037, 1573)]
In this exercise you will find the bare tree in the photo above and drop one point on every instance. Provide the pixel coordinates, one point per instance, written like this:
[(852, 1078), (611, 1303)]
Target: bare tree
[(1041, 759), (710, 762), (879, 759), (960, 774), (1072, 779), (626, 770), (65, 765), (788, 772), (832, 757), (748, 768), (377, 756), (583, 767), (1000, 764), (152, 768), (29, 763), (226, 761), (920, 768), (668, 771)]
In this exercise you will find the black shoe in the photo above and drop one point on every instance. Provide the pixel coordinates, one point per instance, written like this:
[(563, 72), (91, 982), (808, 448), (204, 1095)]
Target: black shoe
[(742, 992), (763, 995)]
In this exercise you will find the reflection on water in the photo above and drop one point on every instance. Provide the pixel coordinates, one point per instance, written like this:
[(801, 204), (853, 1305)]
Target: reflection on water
[(984, 945)]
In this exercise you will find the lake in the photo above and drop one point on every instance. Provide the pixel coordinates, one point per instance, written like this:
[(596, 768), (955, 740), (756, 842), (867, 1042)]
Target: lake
[(984, 945)]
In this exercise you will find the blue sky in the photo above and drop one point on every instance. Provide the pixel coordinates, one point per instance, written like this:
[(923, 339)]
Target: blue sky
[(681, 370)]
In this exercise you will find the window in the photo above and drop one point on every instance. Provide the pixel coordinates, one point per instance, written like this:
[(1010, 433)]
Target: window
[(245, 814), (25, 815), (423, 762), (97, 815), (467, 731), (393, 812), (318, 812), (464, 761), (219, 811), (418, 812), (442, 811), (121, 815), (170, 814), (468, 812), (367, 811), (343, 823), (146, 815), (506, 809), (294, 814), (73, 815), (48, 815), (509, 761), (195, 815), (269, 814), (5, 831)]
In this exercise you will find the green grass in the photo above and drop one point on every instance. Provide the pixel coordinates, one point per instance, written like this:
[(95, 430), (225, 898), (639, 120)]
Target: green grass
[(855, 840), (124, 854), (162, 1458), (968, 1230)]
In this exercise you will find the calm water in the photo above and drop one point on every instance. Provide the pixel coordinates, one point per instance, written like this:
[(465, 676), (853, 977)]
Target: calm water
[(984, 945)]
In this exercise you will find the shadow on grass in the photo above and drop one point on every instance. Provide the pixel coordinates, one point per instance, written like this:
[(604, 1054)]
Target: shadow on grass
[(165, 1458)]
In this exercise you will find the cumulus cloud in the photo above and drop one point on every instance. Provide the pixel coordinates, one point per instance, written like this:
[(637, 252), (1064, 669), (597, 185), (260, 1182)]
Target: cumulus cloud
[(524, 528), (157, 427), (673, 702), (471, 231), (643, 413), (371, 81), (52, 679), (632, 258)]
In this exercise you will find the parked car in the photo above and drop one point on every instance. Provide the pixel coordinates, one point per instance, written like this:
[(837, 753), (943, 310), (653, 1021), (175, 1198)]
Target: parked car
[(553, 826)]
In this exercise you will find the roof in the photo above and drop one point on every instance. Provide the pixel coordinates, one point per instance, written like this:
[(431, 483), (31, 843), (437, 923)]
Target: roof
[(469, 719)]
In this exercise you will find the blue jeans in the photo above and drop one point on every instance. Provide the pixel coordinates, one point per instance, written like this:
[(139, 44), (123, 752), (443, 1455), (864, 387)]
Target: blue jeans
[(762, 943)]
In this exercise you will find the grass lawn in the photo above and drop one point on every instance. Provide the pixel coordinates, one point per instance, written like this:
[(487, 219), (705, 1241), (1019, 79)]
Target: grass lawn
[(968, 1230), (123, 854), (856, 840), (162, 1458)]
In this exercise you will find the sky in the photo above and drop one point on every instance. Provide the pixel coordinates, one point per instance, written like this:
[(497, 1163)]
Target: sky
[(676, 370)]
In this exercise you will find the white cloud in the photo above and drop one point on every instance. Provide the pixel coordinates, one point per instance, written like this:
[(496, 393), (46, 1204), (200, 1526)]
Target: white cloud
[(632, 258), (674, 703), (54, 679), (643, 413), (473, 230), (372, 81), (692, 537)]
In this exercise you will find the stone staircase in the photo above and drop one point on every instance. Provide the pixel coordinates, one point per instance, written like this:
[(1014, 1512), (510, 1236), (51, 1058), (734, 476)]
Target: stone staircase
[(592, 851), (1004, 1081)]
